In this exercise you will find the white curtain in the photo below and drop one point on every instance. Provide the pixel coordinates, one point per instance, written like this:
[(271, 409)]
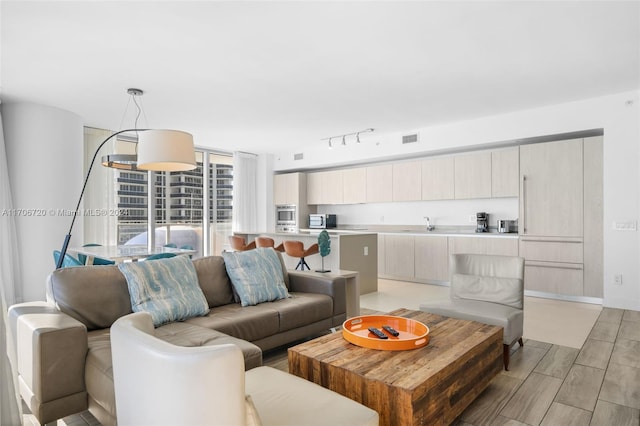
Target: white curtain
[(10, 293), (245, 194)]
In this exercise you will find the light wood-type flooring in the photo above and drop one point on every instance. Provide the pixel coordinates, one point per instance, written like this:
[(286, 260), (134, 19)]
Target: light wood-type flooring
[(595, 383)]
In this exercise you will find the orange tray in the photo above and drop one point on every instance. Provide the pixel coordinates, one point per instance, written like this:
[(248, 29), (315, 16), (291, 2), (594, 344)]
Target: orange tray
[(413, 334)]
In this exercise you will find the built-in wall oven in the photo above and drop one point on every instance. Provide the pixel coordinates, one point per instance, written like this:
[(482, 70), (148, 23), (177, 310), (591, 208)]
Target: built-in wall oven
[(286, 218)]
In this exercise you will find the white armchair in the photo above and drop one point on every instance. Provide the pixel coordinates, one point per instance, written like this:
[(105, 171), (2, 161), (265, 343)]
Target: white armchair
[(157, 383), (488, 289)]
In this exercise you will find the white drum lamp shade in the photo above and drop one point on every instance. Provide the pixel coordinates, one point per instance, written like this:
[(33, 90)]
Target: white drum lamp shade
[(166, 150)]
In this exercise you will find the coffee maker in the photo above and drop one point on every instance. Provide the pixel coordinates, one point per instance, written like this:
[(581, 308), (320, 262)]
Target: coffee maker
[(482, 220)]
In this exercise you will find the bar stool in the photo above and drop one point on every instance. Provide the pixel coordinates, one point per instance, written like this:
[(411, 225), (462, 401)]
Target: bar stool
[(268, 242), (296, 249), (238, 243)]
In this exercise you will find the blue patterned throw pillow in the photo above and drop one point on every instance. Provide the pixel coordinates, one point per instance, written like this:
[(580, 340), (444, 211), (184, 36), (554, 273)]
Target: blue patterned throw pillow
[(256, 275), (166, 288)]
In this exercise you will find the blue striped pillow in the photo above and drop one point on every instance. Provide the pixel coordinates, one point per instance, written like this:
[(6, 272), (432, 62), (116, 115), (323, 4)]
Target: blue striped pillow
[(166, 288), (256, 275)]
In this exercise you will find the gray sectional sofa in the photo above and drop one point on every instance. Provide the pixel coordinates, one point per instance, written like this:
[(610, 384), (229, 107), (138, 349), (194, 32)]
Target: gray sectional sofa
[(64, 348)]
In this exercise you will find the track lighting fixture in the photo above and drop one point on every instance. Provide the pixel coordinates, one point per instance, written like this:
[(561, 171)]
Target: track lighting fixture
[(344, 137)]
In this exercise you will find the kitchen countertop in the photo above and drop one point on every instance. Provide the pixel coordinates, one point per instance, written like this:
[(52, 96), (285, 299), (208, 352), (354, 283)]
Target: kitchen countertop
[(444, 231)]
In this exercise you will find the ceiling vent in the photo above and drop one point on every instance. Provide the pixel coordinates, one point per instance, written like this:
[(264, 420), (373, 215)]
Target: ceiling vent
[(410, 138), (299, 156)]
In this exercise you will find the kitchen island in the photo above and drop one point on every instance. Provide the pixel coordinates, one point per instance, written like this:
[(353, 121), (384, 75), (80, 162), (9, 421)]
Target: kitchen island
[(353, 251)]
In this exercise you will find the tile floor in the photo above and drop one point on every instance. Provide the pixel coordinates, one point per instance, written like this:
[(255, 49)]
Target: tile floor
[(580, 364)]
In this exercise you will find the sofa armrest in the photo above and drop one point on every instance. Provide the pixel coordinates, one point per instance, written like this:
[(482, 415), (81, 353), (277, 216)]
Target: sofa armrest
[(308, 282), (51, 350)]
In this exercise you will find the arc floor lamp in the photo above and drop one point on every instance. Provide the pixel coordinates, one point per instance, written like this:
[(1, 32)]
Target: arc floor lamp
[(157, 150)]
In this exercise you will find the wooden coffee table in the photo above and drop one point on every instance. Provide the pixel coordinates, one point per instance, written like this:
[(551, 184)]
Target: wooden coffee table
[(426, 386)]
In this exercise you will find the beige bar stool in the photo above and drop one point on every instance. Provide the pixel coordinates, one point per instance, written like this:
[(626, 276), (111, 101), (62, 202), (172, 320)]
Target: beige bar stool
[(238, 243), (269, 242), (296, 249)]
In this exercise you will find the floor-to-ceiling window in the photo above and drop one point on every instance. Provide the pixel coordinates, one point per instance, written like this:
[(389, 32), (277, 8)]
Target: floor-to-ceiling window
[(180, 213)]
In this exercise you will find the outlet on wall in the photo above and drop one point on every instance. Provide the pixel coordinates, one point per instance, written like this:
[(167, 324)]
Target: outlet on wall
[(617, 279), (366, 251), (472, 218)]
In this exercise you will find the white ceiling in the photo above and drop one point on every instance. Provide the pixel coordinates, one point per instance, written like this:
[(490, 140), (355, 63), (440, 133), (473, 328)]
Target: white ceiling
[(268, 76)]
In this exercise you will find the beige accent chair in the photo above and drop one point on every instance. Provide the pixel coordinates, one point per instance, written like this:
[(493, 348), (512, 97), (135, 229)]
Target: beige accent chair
[(157, 383), (488, 289)]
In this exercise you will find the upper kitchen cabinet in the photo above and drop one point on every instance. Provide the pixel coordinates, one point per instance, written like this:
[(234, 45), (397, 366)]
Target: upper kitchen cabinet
[(286, 188), (473, 175), (407, 181), (314, 188), (325, 187), (354, 184), (505, 172), (551, 193), (438, 178), (379, 184)]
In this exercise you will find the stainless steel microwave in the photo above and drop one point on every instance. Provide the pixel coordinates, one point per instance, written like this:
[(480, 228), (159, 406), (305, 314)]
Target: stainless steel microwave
[(322, 221), (286, 218)]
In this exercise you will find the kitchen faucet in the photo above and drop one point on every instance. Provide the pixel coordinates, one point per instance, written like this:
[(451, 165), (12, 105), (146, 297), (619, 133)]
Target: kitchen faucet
[(430, 227)]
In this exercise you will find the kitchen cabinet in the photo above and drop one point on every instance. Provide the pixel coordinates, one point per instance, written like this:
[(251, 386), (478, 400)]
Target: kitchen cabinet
[(505, 172), (484, 245), (431, 258), (438, 178), (551, 193), (286, 188), (381, 254), (473, 175), (407, 181), (325, 187), (354, 184), (593, 221), (314, 188), (399, 256), (379, 184), (554, 277)]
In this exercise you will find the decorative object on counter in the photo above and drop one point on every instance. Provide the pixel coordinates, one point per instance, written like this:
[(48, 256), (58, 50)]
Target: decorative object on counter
[(265, 242), (324, 243), (482, 222), (344, 136), (239, 244), (296, 249)]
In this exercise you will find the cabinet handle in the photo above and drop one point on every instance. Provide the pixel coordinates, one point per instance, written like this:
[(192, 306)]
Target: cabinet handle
[(534, 240), (524, 204), (549, 265)]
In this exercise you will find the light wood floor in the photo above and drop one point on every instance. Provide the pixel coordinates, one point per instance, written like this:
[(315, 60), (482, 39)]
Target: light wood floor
[(548, 384)]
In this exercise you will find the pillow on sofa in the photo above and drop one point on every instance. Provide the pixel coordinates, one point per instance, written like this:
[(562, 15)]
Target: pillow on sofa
[(166, 288), (256, 275)]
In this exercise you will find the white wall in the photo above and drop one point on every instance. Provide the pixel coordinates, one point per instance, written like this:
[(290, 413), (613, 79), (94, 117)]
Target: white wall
[(45, 155), (618, 115)]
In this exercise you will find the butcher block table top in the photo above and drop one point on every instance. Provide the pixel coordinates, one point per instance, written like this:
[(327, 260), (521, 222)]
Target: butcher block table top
[(431, 385)]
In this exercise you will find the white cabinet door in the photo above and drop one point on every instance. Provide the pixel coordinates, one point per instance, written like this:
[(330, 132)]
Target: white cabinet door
[(332, 187), (379, 184), (551, 195), (593, 221), (399, 256), (484, 245), (473, 175), (407, 181), (314, 188), (505, 172), (286, 188), (438, 179), (381, 254), (354, 183), (431, 258)]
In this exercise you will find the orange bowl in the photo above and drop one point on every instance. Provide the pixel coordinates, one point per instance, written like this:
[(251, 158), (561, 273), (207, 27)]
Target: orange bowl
[(413, 334)]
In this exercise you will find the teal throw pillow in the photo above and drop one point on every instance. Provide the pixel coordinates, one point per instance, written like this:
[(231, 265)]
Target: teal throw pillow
[(166, 288), (256, 275)]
